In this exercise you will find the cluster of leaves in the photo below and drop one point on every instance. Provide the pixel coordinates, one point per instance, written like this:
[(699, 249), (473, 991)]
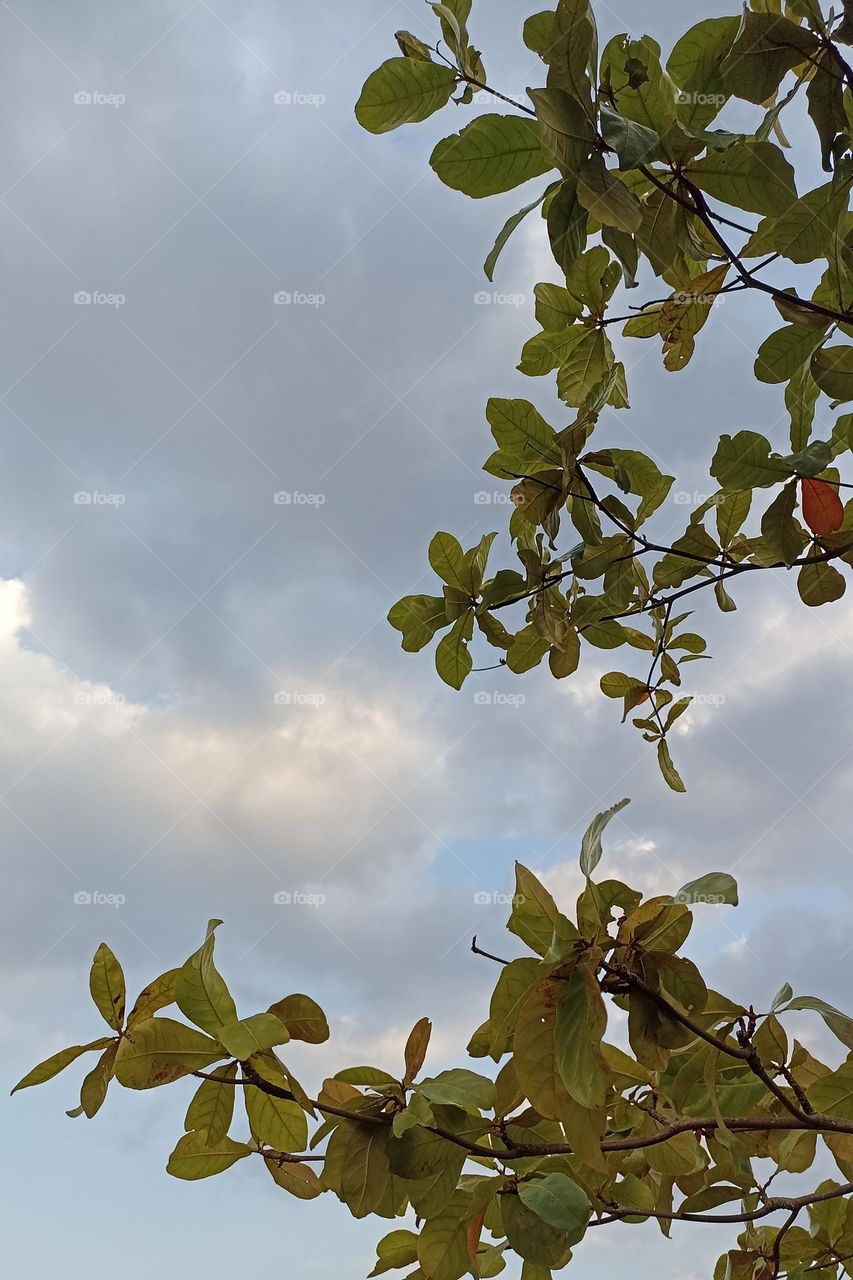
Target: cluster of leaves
[(566, 1133), (643, 188)]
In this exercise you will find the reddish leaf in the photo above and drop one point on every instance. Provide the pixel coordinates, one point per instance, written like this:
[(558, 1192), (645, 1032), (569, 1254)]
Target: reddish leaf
[(822, 508), (475, 1226)]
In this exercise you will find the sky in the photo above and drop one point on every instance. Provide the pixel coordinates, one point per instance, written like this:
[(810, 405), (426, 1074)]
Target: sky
[(202, 708)]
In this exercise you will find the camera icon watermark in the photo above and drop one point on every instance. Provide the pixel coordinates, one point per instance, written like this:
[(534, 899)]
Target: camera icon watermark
[(486, 298), (296, 98), (99, 698), (293, 498), (484, 899), (288, 298), (484, 499), (94, 498), (683, 498), (485, 699), (83, 898), (95, 98), (297, 698), (298, 898), (85, 298)]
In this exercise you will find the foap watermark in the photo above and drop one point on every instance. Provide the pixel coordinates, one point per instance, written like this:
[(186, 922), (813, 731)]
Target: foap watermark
[(97, 298), (83, 898), (484, 899), (684, 498), (97, 98), (94, 498), (707, 699), (298, 898), (496, 499), (692, 899), (99, 698), (492, 298), (298, 698), (293, 498), (297, 98), (685, 98), (484, 99), (485, 699), (293, 298)]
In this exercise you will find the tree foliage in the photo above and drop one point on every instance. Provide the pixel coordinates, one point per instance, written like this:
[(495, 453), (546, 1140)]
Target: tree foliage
[(564, 1132), (644, 184), (615, 1086)]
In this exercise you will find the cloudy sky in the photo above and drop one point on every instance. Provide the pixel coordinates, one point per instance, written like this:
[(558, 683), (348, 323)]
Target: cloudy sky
[(201, 706)]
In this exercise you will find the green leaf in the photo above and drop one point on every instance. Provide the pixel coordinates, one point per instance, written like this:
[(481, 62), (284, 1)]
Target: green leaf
[(299, 1179), (200, 990), (591, 849), (558, 1201), (506, 231), (580, 1024), (805, 231), (749, 175), (568, 225), (460, 1088), (584, 367), (839, 1023), (531, 1238), (366, 1174), (303, 1017), (516, 981), (527, 650), (534, 911), (785, 352), (491, 154), (418, 618), (832, 370), (767, 47), (161, 1051), (801, 396), (276, 1122), (637, 85), (93, 1090), (246, 1036), (634, 144), (606, 198), (694, 66), (58, 1062), (820, 583), (833, 1094), (566, 134), (453, 662), (212, 1107), (107, 988), (715, 888), (157, 995), (397, 1249), (784, 536), (403, 91), (196, 1156), (443, 1247), (671, 776), (519, 428), (412, 47), (744, 461), (448, 560)]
